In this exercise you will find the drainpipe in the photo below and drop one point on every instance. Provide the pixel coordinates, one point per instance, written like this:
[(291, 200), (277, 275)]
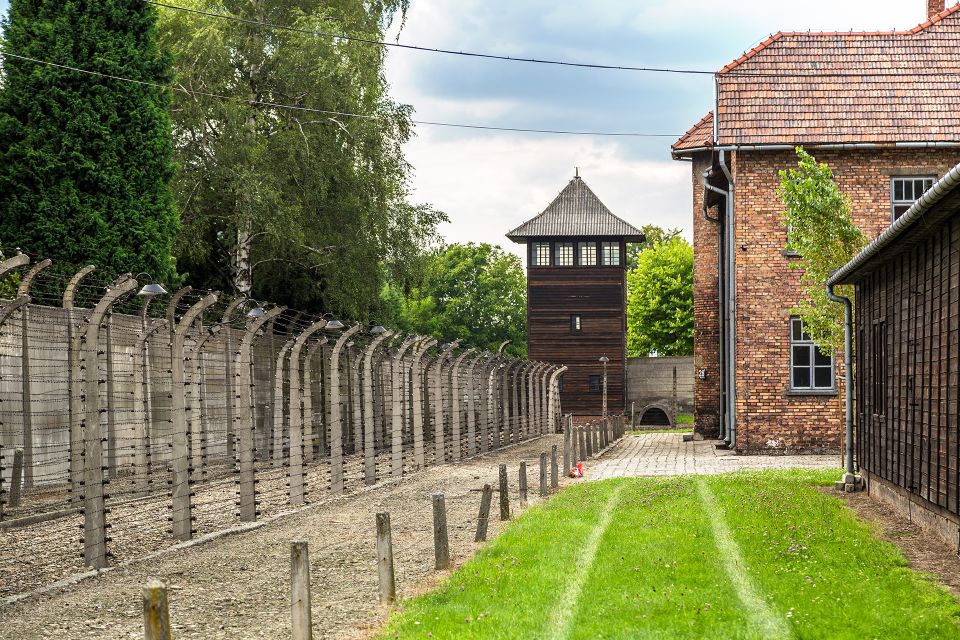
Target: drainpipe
[(720, 295), (731, 307), (849, 478)]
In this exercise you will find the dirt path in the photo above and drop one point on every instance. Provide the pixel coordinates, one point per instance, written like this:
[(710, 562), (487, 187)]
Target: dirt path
[(238, 587)]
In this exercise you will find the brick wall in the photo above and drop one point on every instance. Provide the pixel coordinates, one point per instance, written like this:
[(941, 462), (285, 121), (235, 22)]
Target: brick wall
[(706, 340), (769, 417)]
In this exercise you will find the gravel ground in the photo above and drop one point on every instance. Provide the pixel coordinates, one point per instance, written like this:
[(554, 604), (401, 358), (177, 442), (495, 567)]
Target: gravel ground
[(238, 586)]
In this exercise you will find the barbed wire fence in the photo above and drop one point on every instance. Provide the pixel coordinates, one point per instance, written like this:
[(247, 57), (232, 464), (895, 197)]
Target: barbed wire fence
[(132, 418)]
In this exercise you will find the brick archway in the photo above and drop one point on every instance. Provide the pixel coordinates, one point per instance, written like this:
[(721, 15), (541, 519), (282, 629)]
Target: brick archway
[(657, 415)]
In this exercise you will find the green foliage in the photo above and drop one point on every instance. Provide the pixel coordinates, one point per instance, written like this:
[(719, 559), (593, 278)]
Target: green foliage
[(305, 208), (86, 162), (477, 292), (821, 231), (660, 300), (654, 235)]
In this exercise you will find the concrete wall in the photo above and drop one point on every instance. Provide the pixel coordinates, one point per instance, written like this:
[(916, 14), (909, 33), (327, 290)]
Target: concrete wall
[(650, 381)]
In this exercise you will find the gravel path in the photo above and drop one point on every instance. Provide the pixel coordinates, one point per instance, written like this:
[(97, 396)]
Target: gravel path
[(238, 586)]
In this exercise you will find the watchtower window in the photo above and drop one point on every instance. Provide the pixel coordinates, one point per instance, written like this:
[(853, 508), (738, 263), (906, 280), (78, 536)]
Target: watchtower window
[(594, 384), (563, 255), (588, 253), (575, 324), (611, 253), (540, 255)]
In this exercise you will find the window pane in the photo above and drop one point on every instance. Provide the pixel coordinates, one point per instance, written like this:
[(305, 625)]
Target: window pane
[(898, 190), (564, 254), (796, 329), (611, 253), (801, 377), (917, 189), (801, 356), (588, 253), (575, 323), (821, 359), (822, 378), (541, 254)]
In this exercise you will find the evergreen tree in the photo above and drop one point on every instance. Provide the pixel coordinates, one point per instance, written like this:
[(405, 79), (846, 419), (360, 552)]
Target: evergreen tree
[(86, 161)]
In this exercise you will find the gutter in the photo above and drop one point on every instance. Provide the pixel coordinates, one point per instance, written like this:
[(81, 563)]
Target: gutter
[(848, 380), (678, 155), (731, 307), (720, 294), (935, 194)]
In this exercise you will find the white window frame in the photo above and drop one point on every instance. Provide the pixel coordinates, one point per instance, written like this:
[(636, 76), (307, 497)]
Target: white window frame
[(907, 183), (540, 254), (587, 258), (610, 259), (563, 254), (805, 342)]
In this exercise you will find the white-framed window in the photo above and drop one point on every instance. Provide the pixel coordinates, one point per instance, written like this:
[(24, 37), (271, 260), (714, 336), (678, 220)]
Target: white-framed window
[(540, 254), (905, 190), (611, 253), (587, 254), (576, 324), (810, 368), (563, 254)]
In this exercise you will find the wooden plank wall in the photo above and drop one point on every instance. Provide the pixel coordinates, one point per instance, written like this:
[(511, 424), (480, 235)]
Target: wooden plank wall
[(598, 295), (907, 432)]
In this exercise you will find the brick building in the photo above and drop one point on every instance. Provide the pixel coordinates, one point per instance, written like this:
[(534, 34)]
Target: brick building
[(881, 109)]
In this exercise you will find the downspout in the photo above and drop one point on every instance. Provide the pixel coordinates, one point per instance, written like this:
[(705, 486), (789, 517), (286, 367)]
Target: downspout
[(720, 296), (848, 378), (731, 307)]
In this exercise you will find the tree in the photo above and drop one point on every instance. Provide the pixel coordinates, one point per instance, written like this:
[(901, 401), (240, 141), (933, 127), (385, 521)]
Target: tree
[(86, 161), (821, 231), (477, 292), (305, 206), (653, 235), (660, 300)]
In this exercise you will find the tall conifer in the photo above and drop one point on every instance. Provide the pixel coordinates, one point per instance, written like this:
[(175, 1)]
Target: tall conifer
[(85, 160)]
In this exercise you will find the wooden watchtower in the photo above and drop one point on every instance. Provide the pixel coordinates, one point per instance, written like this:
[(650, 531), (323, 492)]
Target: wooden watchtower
[(576, 295)]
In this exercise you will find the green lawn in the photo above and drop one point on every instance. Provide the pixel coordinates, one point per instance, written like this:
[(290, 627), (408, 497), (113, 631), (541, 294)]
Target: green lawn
[(746, 555)]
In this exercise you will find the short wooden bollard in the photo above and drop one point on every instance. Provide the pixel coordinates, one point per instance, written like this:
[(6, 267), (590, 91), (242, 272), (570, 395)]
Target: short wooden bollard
[(523, 481), (554, 470), (441, 543), (581, 436), (302, 624), (388, 585), (504, 495), (567, 429), (16, 480), (485, 499), (589, 436), (156, 613), (543, 474)]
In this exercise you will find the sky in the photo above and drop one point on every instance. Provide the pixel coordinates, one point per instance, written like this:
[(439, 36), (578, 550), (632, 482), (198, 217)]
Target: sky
[(490, 182)]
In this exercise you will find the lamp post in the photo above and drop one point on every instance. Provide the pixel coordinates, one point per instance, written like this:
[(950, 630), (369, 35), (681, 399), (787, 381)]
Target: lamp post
[(604, 360)]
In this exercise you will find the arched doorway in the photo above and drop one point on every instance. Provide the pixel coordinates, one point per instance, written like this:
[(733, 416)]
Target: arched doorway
[(655, 416)]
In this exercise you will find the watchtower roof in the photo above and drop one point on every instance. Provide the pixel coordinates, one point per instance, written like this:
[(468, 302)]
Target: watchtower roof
[(576, 212)]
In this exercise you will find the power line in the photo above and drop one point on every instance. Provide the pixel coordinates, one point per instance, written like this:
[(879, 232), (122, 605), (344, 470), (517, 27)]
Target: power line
[(547, 61), (345, 114)]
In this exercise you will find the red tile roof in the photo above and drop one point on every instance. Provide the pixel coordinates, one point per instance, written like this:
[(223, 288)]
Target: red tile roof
[(699, 136), (809, 88)]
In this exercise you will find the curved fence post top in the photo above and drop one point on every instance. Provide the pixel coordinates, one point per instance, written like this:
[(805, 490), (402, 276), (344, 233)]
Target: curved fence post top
[(151, 330), (463, 356), (255, 324), (17, 261), (503, 346), (12, 306), (342, 340), (406, 344), (172, 305), (24, 288), (228, 312), (306, 333), (193, 312), (70, 292)]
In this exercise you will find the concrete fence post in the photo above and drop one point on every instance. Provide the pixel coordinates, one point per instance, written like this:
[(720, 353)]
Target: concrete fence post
[(336, 421), (504, 494), (483, 518), (456, 394), (296, 395), (180, 449), (74, 387), (506, 427), (228, 380), (156, 611), (588, 452), (26, 375), (522, 481), (309, 414), (543, 474), (244, 415), (385, 575), (417, 374), (17, 479), (141, 407), (567, 428), (439, 435), (279, 406), (441, 542), (369, 423), (301, 617), (554, 470), (472, 405), (399, 375), (94, 516)]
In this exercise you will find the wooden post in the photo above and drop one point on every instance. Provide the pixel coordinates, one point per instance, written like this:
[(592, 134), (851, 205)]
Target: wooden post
[(504, 495), (16, 478), (485, 499), (554, 471), (596, 436), (589, 436), (567, 442), (302, 625), (156, 612), (388, 585), (543, 473), (441, 543), (523, 481), (584, 451)]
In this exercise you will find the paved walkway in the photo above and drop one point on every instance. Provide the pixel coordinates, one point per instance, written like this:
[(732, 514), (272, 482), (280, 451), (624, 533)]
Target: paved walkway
[(666, 454)]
